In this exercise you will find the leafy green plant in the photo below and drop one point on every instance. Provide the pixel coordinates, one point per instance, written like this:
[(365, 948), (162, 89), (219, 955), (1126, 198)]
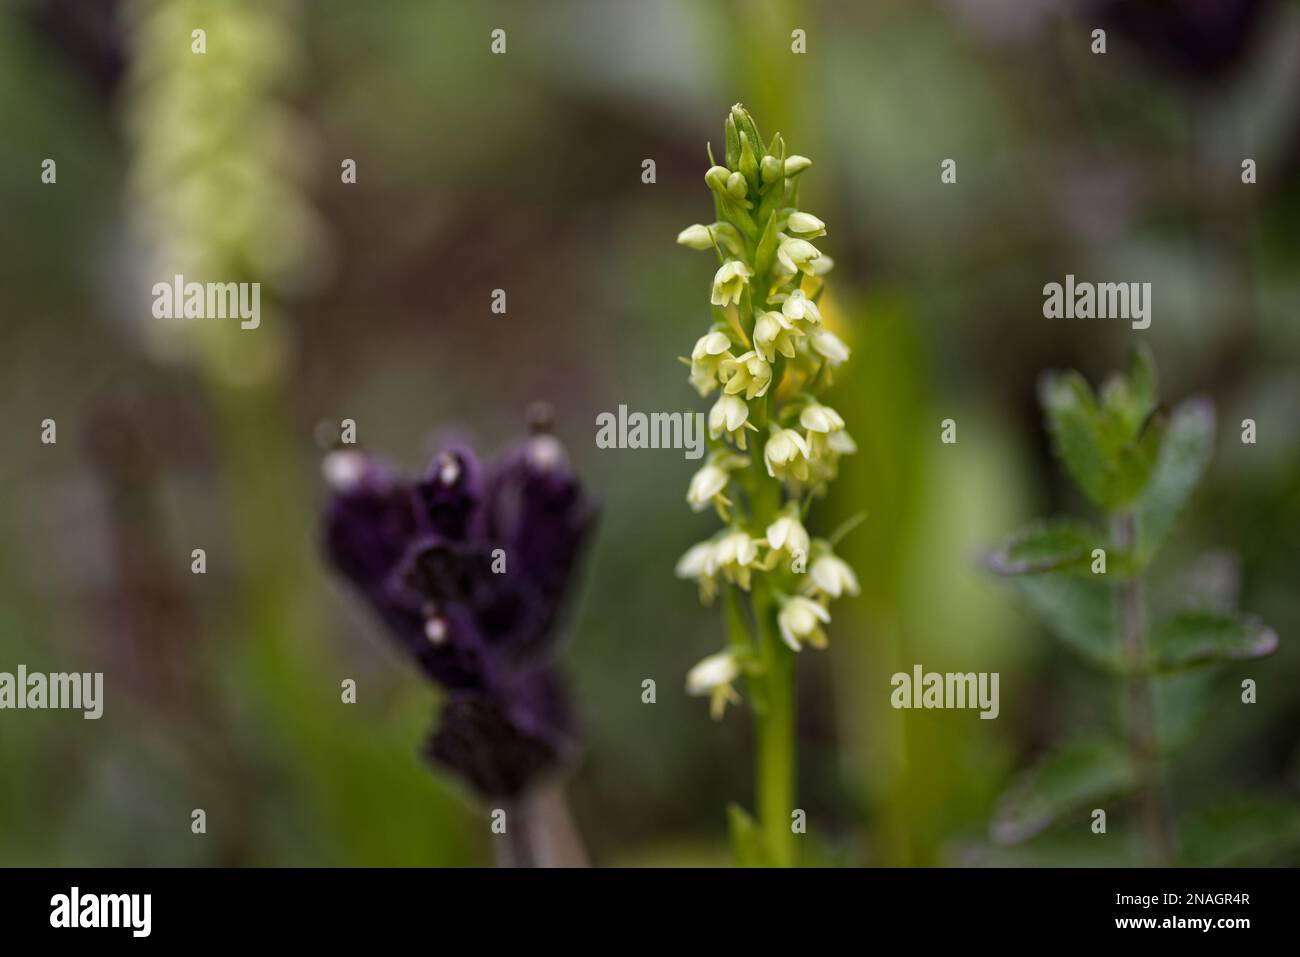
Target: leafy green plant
[(1138, 464), (773, 447)]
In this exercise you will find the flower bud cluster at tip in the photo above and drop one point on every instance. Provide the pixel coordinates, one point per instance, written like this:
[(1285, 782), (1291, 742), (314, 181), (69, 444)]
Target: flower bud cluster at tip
[(766, 356)]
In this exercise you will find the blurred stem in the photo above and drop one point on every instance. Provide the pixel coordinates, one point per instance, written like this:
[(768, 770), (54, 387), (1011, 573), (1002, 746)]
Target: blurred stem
[(540, 831), (1141, 717), (515, 847)]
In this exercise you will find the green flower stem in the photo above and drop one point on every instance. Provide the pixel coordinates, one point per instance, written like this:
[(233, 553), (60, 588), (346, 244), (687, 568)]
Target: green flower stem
[(763, 247), (773, 687), (774, 708), (1141, 716)]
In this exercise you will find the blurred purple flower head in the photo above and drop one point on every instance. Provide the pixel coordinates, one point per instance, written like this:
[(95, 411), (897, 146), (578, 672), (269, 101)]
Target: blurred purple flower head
[(469, 569)]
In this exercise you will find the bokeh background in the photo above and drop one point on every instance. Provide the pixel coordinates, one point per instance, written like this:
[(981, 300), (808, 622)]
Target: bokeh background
[(523, 172)]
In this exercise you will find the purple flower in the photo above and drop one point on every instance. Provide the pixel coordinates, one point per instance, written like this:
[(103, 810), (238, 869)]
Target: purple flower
[(502, 742), (469, 569)]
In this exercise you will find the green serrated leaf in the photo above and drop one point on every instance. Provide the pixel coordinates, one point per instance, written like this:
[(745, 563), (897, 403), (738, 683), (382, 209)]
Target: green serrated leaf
[(1054, 545), (1050, 566), (1057, 849), (1183, 700), (1079, 610), (1066, 781), (1204, 637), (1184, 453), (746, 841), (1142, 380), (1127, 401), (1075, 426), (1134, 460), (1243, 831), (1110, 447)]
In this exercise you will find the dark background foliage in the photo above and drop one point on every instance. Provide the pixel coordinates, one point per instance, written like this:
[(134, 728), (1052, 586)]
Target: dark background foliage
[(522, 172)]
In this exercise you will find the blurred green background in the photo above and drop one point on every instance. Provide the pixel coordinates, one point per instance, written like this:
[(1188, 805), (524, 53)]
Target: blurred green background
[(523, 172)]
